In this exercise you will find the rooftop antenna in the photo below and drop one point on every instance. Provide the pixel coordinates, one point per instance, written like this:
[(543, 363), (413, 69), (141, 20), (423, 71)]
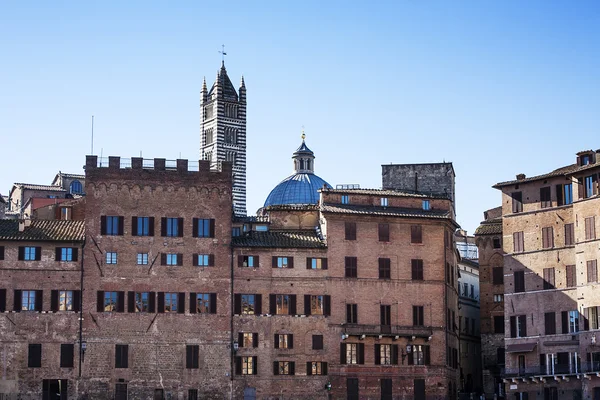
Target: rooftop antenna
[(92, 153)]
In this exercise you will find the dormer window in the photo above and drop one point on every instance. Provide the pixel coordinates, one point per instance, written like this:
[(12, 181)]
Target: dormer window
[(426, 205), (384, 202), (345, 199), (585, 159)]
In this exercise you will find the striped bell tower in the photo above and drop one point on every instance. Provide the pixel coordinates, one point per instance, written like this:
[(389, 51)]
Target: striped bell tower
[(223, 131)]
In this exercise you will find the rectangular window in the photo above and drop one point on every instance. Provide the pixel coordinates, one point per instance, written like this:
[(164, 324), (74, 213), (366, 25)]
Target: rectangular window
[(203, 260), (545, 200), (498, 275), (111, 257), (142, 226), (496, 243), (67, 352), (141, 301), (345, 199), (571, 276), (352, 313), (66, 254), (569, 234), (518, 326), (317, 342), (248, 304), (383, 231), (517, 202), (590, 228), (172, 227), (418, 316), (317, 305), (236, 231), (519, 277), (204, 228), (384, 202), (65, 300), (352, 353), (384, 268), (419, 355), (34, 359), (316, 263), (592, 271), (30, 253), (547, 237), (383, 354), (550, 323), (283, 341), (206, 303), (549, 278), (351, 269), (416, 270), (589, 186), (350, 230), (316, 368), (142, 258), (248, 261), (247, 365), (591, 320), (111, 225), (171, 259), (465, 289), (111, 301), (282, 302), (498, 298), (416, 234), (573, 321), (121, 356), (248, 339), (192, 356), (385, 315), (564, 194), (518, 242), (498, 324), (426, 205), (283, 368), (28, 300), (283, 262), (170, 302)]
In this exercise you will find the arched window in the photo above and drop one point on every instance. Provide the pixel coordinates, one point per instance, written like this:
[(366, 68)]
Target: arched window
[(75, 187)]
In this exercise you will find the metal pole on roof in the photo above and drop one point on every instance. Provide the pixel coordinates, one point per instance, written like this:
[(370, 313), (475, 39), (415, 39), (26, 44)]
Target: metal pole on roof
[(92, 135)]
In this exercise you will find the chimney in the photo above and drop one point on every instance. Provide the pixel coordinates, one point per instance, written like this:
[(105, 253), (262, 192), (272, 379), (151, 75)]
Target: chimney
[(24, 223), (520, 177)]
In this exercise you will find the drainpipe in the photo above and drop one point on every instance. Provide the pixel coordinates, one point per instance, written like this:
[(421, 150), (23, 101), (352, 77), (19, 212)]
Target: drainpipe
[(81, 309)]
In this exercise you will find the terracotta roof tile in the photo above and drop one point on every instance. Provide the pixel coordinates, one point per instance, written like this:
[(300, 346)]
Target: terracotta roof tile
[(563, 171), (280, 239), (33, 186), (385, 192), (385, 211), (490, 227), (43, 230)]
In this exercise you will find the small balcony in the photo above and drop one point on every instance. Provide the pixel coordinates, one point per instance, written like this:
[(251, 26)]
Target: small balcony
[(387, 330)]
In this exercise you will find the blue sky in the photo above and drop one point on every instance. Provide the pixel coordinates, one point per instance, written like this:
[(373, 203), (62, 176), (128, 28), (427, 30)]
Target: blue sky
[(498, 88)]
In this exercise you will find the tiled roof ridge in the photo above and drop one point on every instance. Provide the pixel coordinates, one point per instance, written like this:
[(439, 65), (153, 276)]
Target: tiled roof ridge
[(38, 186), (389, 192), (561, 171), (43, 230)]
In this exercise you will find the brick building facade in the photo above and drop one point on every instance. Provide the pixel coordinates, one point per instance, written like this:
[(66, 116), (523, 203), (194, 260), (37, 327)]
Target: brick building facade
[(549, 225)]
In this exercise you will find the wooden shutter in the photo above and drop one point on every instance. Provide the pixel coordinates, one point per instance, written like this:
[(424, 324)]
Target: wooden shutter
[(152, 302), (100, 301), (323, 263), (292, 309), (308, 263), (255, 339), (211, 228), (35, 356), (272, 304), (58, 254), (327, 305), (240, 339), (161, 302), (195, 227), (415, 316), (426, 355), (189, 354), (163, 258), (103, 225), (75, 253), (163, 226), (121, 226), (66, 355), (292, 368), (323, 368), (54, 300), (290, 262), (361, 353), (411, 358), (519, 278), (238, 365), (377, 348), (517, 205), (350, 230), (274, 261), (257, 304), (256, 265), (130, 302), (193, 303), (550, 323), (559, 195), (569, 234), (181, 303), (343, 353), (513, 327), (571, 277), (276, 341), (134, 226), (213, 303), (195, 260), (21, 253), (38, 253), (76, 300), (309, 368), (2, 300), (237, 303), (586, 319), (179, 259), (317, 342), (307, 304), (211, 260), (275, 367), (180, 227), (120, 301), (151, 226), (394, 354), (290, 340), (565, 321), (416, 235), (39, 299), (254, 365)]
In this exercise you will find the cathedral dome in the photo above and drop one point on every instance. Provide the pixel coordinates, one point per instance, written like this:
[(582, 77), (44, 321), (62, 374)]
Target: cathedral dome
[(301, 187)]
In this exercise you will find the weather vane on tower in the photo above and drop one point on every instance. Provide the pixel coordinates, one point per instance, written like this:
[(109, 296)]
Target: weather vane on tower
[(223, 54)]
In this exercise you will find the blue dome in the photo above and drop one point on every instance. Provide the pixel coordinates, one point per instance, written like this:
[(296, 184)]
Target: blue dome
[(300, 188)]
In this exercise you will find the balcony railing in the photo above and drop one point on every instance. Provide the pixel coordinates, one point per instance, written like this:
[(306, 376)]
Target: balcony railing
[(559, 369), (387, 330)]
